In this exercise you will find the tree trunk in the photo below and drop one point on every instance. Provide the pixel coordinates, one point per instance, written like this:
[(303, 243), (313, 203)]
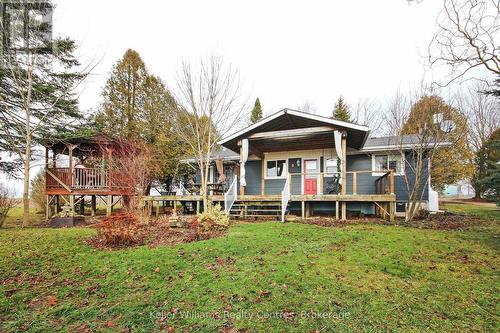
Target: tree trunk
[(26, 183)]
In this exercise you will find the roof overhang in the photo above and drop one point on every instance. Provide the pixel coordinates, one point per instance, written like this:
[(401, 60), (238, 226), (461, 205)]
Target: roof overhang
[(295, 130)]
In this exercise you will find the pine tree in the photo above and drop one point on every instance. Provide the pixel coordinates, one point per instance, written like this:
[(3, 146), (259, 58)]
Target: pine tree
[(341, 110), (38, 78), (256, 112), (490, 179)]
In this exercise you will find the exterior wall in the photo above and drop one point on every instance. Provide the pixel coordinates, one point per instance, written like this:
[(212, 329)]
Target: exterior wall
[(253, 175), (360, 162)]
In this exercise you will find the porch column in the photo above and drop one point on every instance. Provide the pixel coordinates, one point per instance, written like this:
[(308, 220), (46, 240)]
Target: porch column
[(243, 159), (344, 179)]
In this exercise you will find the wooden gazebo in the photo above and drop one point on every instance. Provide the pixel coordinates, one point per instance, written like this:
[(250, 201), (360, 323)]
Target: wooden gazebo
[(82, 167)]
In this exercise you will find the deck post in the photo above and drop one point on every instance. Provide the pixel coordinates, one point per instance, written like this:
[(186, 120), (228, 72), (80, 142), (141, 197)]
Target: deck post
[(392, 209), (263, 183), (72, 203), (82, 205), (392, 181), (344, 210), (197, 206), (58, 204), (70, 158), (336, 210), (157, 212), (109, 204), (354, 183), (47, 207), (92, 205), (303, 209)]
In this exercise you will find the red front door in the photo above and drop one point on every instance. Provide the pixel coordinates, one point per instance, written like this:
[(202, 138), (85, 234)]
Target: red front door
[(311, 177)]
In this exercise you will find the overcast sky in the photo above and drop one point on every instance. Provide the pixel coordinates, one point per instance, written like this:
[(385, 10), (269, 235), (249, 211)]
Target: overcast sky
[(288, 52)]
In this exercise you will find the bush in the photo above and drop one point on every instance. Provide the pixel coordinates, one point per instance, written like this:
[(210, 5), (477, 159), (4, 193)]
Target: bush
[(120, 230), (6, 203), (213, 219), (37, 194)]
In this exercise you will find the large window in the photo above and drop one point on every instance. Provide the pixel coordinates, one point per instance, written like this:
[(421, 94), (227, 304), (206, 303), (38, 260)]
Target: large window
[(383, 163), (276, 169)]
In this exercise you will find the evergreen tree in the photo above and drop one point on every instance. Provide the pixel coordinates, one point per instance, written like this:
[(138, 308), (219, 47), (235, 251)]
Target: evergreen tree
[(38, 77), (341, 110), (256, 112), (490, 179), (137, 106)]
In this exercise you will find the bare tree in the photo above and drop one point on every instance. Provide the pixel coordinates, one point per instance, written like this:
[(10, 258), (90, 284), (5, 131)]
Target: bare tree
[(415, 151), (483, 118), (6, 204), (368, 112), (210, 104), (467, 37), (308, 107)]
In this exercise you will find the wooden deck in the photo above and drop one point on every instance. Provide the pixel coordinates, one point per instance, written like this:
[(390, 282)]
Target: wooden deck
[(299, 198)]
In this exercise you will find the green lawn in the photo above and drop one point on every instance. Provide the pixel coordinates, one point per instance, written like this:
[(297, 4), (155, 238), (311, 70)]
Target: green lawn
[(480, 210), (362, 278)]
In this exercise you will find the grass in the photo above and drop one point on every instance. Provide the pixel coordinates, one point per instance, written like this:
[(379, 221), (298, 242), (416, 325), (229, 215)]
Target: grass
[(15, 217), (266, 277), (481, 210)]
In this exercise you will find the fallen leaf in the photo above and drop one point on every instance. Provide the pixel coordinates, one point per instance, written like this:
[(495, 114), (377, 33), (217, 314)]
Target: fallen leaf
[(52, 300)]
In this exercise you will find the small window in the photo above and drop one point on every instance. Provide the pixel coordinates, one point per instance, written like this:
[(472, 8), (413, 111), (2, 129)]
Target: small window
[(383, 163), (275, 169), (331, 165)]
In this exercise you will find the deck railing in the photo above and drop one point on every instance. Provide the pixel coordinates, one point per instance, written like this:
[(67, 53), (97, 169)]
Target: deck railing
[(285, 197), (355, 182), (85, 179), (230, 196)]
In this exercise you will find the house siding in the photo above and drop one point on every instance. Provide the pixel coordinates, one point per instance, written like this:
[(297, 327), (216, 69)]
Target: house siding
[(365, 181)]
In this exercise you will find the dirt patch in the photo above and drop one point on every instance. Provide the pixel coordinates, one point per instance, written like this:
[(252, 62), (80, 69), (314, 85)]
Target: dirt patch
[(448, 221), (152, 233)]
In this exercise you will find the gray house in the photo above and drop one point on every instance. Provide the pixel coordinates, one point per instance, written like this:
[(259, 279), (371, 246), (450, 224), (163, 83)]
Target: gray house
[(298, 163)]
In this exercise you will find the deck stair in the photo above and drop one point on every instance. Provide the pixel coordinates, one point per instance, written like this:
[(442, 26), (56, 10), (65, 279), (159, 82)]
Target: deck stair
[(256, 210)]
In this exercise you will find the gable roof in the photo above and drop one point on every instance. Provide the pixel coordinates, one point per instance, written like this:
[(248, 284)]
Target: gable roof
[(288, 119)]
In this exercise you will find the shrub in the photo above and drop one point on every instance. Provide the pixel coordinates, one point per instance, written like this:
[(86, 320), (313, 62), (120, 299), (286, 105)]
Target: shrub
[(6, 203), (37, 194), (120, 230), (213, 219)]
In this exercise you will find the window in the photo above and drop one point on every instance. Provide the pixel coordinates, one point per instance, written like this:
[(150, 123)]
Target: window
[(331, 165), (384, 163), (276, 169)]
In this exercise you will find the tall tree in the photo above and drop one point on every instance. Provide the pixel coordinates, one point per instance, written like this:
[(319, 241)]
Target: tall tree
[(256, 112), (483, 119), (490, 156), (341, 110), (210, 104), (449, 164), (123, 98), (38, 77), (137, 106)]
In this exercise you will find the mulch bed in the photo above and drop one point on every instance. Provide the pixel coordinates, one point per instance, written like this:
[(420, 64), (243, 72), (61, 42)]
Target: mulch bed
[(123, 230), (439, 221), (447, 221)]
